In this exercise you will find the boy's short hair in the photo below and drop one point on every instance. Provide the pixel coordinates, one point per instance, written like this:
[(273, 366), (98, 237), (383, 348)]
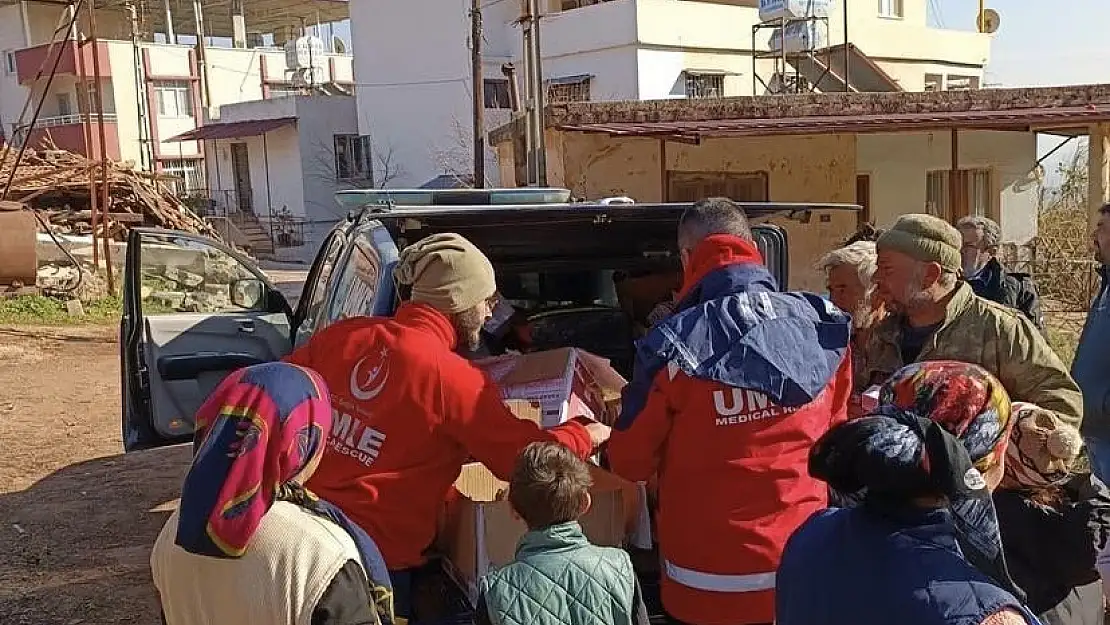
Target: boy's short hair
[(548, 485)]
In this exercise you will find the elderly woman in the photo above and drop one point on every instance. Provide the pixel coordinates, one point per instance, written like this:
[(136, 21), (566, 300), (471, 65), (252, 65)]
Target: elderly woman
[(1041, 497), (248, 544), (923, 546), (849, 271)]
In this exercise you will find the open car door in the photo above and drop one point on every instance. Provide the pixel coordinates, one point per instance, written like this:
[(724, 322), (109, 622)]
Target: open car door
[(194, 311)]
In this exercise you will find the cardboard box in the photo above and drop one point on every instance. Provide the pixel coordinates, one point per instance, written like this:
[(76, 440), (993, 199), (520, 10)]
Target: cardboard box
[(563, 383), (479, 533)]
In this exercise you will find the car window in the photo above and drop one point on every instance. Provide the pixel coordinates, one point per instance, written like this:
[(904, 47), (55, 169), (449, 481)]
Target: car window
[(314, 319), (358, 282), (185, 275)]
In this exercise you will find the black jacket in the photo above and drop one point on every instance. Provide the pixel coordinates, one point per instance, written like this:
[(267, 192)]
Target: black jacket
[(1052, 550), (1015, 290)]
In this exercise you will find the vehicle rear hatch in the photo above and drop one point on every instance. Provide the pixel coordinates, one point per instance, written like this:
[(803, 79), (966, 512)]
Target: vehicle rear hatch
[(574, 236)]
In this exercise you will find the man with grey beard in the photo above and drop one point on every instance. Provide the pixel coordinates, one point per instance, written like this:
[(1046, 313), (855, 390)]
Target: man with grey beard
[(1092, 359), (936, 316)]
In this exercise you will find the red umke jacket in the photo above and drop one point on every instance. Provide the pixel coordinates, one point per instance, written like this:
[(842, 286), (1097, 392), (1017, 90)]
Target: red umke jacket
[(407, 413), (726, 399)]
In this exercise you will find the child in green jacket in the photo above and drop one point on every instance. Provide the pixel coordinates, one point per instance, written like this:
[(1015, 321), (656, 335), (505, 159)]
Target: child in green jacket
[(558, 577)]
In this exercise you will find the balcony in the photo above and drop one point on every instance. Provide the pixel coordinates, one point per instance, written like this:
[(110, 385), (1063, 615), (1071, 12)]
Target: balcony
[(587, 26), (68, 133), (29, 61)]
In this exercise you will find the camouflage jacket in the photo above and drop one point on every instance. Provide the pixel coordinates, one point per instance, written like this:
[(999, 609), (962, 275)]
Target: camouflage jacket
[(997, 338)]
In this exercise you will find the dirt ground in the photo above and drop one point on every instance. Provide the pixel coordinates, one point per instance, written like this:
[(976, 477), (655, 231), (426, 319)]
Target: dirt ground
[(76, 517)]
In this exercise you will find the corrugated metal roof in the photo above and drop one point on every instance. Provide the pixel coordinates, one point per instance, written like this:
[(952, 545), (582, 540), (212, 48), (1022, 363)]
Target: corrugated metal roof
[(234, 130), (1058, 118)]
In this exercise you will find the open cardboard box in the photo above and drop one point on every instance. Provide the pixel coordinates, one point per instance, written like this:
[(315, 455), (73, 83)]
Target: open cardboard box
[(561, 383), (479, 533)]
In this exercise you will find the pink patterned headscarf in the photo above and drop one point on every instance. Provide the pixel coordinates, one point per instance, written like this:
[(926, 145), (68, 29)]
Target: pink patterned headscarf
[(264, 428)]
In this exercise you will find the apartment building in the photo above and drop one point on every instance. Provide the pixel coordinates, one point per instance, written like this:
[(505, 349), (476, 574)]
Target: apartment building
[(414, 76), (157, 88)]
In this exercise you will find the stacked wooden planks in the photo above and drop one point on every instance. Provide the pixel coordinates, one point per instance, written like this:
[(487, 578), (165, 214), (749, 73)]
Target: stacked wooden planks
[(56, 183)]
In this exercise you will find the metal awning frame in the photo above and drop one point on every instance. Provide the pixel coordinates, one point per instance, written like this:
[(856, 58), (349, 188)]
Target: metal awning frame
[(1065, 121)]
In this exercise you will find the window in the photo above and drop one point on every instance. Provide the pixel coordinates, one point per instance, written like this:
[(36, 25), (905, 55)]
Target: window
[(351, 157), (190, 173), (962, 83), (65, 105), (320, 288), (704, 85), (358, 283), (496, 93), (193, 276), (175, 98), (578, 4), (9, 62), (973, 195), (934, 82), (86, 96), (693, 186), (891, 8), (564, 90)]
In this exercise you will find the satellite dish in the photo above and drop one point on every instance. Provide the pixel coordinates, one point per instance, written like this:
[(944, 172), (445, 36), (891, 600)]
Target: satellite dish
[(338, 45), (989, 21)]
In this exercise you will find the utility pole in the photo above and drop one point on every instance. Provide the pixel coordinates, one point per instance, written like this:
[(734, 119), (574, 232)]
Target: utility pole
[(540, 95), (534, 94), (202, 56), (479, 92)]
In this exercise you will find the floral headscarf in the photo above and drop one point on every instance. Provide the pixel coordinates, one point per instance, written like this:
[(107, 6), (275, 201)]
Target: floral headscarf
[(963, 398), (938, 426), (258, 439)]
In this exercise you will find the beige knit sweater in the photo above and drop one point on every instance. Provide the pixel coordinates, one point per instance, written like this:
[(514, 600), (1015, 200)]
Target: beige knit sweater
[(291, 561)]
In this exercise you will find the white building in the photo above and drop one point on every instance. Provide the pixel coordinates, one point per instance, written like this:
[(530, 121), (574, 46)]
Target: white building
[(413, 69), (156, 87), (283, 159)]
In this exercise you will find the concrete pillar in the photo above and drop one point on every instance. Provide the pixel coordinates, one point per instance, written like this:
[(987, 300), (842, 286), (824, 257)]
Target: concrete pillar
[(238, 25), (1098, 169)]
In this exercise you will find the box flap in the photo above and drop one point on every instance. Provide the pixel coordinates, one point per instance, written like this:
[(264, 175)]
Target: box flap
[(476, 483), (529, 368), (527, 410), (604, 375)]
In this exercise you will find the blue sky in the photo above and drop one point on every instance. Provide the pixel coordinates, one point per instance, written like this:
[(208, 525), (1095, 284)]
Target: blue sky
[(1041, 42)]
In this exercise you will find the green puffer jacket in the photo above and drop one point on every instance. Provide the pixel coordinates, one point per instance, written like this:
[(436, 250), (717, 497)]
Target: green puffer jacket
[(999, 339), (559, 578)]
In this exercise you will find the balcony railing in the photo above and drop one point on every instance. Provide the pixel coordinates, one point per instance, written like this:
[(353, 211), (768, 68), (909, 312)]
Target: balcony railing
[(19, 133)]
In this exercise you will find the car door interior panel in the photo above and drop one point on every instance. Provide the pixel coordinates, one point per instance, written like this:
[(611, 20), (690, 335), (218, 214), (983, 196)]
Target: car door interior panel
[(193, 353)]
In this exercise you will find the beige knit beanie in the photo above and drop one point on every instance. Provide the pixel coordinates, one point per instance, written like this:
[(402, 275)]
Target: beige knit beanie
[(925, 238), (447, 272), (1042, 447)]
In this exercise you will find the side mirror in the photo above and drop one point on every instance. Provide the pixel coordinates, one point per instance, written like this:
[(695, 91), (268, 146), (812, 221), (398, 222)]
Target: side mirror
[(248, 293)]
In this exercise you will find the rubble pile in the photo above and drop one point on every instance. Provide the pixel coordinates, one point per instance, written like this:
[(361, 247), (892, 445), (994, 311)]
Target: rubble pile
[(56, 183), (209, 284)]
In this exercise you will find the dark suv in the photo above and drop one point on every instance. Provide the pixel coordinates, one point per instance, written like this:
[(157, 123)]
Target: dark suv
[(196, 310)]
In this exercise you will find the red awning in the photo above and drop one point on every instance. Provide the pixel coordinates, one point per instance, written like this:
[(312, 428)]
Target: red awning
[(234, 130)]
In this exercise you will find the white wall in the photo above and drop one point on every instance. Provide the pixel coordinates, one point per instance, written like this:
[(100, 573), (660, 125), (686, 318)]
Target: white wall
[(413, 81), (898, 164), (285, 185), (12, 95), (319, 120)]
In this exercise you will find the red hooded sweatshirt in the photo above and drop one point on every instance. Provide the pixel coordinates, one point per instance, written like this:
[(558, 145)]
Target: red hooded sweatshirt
[(731, 462), (408, 412)]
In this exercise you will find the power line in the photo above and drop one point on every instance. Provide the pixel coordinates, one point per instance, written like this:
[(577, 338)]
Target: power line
[(414, 83)]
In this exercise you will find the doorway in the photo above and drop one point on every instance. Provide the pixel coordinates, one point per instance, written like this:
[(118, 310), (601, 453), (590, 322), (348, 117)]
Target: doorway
[(241, 170), (863, 198)]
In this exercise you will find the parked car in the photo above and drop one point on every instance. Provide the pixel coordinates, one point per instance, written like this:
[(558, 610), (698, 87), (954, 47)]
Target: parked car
[(196, 310)]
